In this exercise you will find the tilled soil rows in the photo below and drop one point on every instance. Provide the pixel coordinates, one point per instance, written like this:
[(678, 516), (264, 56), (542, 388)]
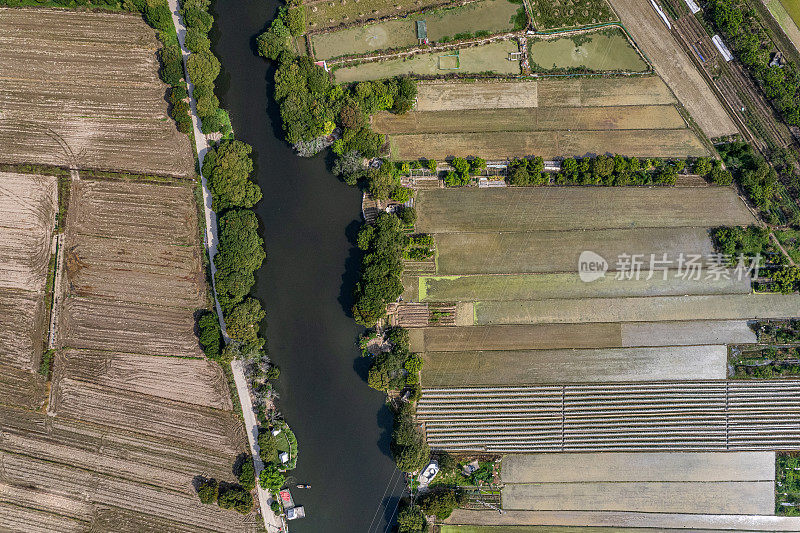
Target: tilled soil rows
[(82, 89)]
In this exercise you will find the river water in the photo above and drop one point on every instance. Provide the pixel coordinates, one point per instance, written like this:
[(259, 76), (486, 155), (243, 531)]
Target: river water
[(309, 221)]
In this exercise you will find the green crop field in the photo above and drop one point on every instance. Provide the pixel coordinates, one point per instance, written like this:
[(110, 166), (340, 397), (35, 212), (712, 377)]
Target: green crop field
[(606, 50), (577, 208), (565, 285), (550, 14), (491, 16), (492, 57), (331, 13), (787, 13)]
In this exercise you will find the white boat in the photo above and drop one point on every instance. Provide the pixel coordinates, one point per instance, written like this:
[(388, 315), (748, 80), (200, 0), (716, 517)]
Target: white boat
[(428, 473)]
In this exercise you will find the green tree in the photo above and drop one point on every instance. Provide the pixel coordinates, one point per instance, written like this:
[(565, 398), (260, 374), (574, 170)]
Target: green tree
[(402, 194), (247, 474), (411, 519), (275, 41), (210, 334), (157, 15), (442, 502), (267, 445), (207, 101), (296, 20), (228, 171), (235, 497), (244, 320), (197, 40), (171, 64), (409, 448), (207, 490), (271, 478), (203, 68), (198, 19), (703, 166)]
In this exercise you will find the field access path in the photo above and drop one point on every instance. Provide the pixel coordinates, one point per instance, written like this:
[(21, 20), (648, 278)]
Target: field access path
[(271, 522)]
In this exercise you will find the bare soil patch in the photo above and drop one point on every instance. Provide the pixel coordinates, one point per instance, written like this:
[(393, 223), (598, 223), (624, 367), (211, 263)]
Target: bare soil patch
[(672, 64), (82, 88), (577, 208), (663, 143), (530, 119)]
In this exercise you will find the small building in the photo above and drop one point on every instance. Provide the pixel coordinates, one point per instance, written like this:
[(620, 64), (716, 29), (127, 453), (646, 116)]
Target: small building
[(422, 32), (284, 457), (295, 512)]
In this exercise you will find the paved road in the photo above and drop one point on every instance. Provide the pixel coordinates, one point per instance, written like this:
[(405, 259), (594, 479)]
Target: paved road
[(271, 522)]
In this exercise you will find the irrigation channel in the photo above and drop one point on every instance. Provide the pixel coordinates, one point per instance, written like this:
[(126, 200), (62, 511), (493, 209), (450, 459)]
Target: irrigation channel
[(309, 223)]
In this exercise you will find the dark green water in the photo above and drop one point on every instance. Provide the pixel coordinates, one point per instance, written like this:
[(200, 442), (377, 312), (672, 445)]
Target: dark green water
[(310, 219)]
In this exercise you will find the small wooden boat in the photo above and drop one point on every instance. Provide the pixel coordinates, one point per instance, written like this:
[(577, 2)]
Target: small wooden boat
[(303, 486)]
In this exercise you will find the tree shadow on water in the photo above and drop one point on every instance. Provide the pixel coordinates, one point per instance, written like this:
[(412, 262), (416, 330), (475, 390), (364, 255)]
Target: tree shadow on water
[(351, 268)]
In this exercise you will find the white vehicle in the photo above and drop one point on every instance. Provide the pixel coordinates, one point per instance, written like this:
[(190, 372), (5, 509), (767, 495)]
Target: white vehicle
[(428, 473)]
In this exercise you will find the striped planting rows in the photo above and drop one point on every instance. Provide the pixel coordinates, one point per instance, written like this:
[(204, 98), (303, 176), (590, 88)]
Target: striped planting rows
[(669, 416)]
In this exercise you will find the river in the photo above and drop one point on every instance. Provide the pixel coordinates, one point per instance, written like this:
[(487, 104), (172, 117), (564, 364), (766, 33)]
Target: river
[(309, 220)]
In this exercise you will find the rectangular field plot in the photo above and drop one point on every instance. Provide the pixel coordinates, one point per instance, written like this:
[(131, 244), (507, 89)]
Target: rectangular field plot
[(566, 285), (21, 388), (722, 497), (677, 143), (520, 367), (329, 14), (85, 92), (194, 381), (493, 16), (572, 208), (627, 467), (672, 63), (656, 308), (588, 335), (530, 119), (559, 251), (605, 50), (482, 58), (489, 95), (549, 14)]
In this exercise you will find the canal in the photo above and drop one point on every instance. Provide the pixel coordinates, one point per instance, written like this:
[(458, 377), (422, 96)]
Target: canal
[(310, 219)]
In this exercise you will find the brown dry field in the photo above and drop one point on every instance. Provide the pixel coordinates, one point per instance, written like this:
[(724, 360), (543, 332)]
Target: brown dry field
[(661, 522), (533, 119), (656, 308), (580, 335), (577, 208), (638, 466), (82, 89), (671, 63), (21, 388), (642, 90), (678, 143), (563, 285), (595, 365), (721, 497), (559, 251), (27, 218), (194, 381)]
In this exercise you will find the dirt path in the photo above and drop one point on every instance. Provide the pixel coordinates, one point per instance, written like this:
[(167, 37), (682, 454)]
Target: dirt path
[(781, 248), (272, 523)]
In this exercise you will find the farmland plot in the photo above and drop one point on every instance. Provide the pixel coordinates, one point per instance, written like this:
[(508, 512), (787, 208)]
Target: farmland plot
[(580, 335), (721, 497), (519, 367), (627, 467), (492, 16), (549, 14), (574, 92), (607, 50), (559, 251), (671, 63), (195, 381), (331, 13), (21, 388), (656, 308), (663, 143), (27, 217), (567, 285), (475, 59), (521, 209), (85, 92), (530, 119)]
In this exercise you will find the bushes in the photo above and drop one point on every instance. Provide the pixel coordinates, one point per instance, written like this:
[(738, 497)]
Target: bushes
[(271, 478), (210, 334), (411, 519), (244, 320), (158, 15), (235, 497), (442, 502), (247, 474), (296, 20), (171, 64), (239, 255), (409, 448), (757, 178), (380, 281), (197, 40), (228, 169), (207, 490)]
